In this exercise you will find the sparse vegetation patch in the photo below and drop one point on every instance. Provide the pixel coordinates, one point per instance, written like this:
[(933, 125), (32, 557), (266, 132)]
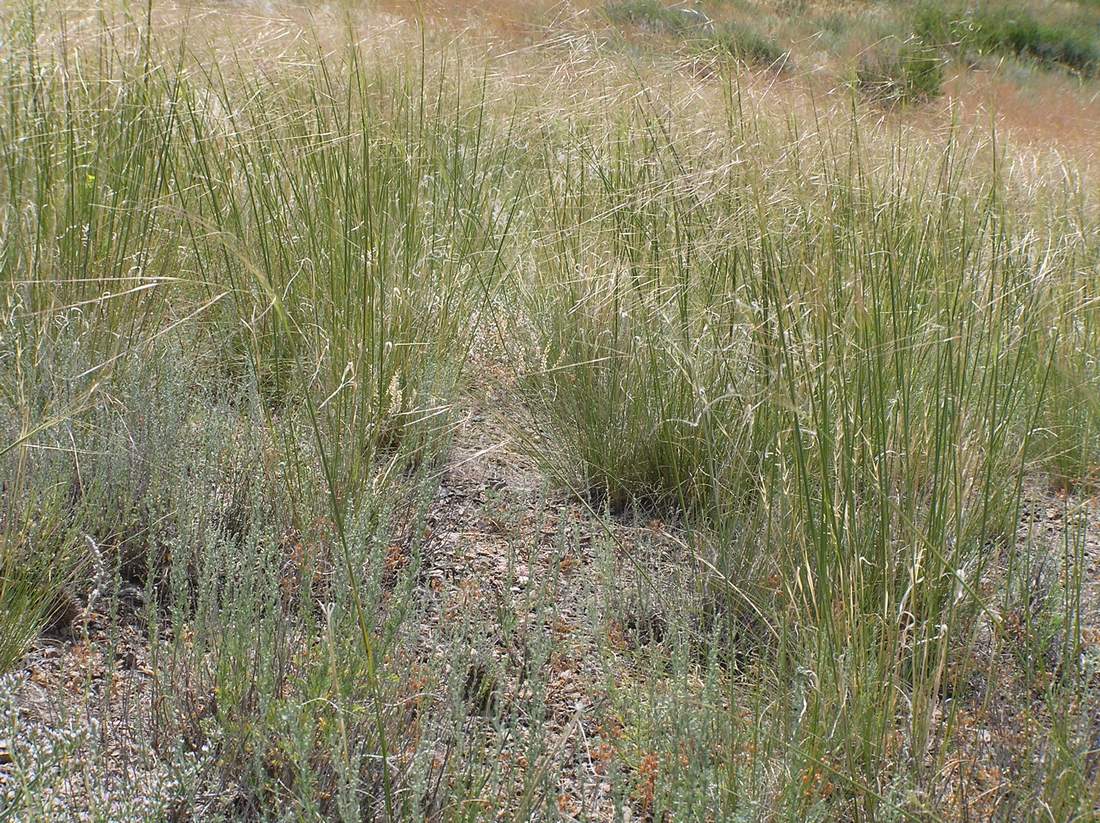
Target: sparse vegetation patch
[(403, 420)]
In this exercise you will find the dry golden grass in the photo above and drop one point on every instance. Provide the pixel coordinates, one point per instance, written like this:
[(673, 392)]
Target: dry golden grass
[(1049, 112)]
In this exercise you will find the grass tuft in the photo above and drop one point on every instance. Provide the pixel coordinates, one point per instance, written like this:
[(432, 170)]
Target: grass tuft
[(900, 73)]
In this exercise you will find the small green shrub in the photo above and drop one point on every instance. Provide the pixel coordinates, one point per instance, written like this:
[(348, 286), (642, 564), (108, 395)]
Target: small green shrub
[(735, 40), (747, 45), (934, 24), (998, 30), (1045, 42), (900, 73), (651, 15)]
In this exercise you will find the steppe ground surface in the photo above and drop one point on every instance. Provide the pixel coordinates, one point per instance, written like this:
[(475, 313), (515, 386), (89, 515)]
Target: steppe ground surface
[(577, 411)]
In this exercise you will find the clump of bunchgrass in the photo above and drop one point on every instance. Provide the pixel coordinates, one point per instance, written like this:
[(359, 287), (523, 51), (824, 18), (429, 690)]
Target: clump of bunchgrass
[(39, 561), (1069, 440), (644, 373), (900, 72), (837, 388), (747, 45), (360, 243), (652, 15)]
